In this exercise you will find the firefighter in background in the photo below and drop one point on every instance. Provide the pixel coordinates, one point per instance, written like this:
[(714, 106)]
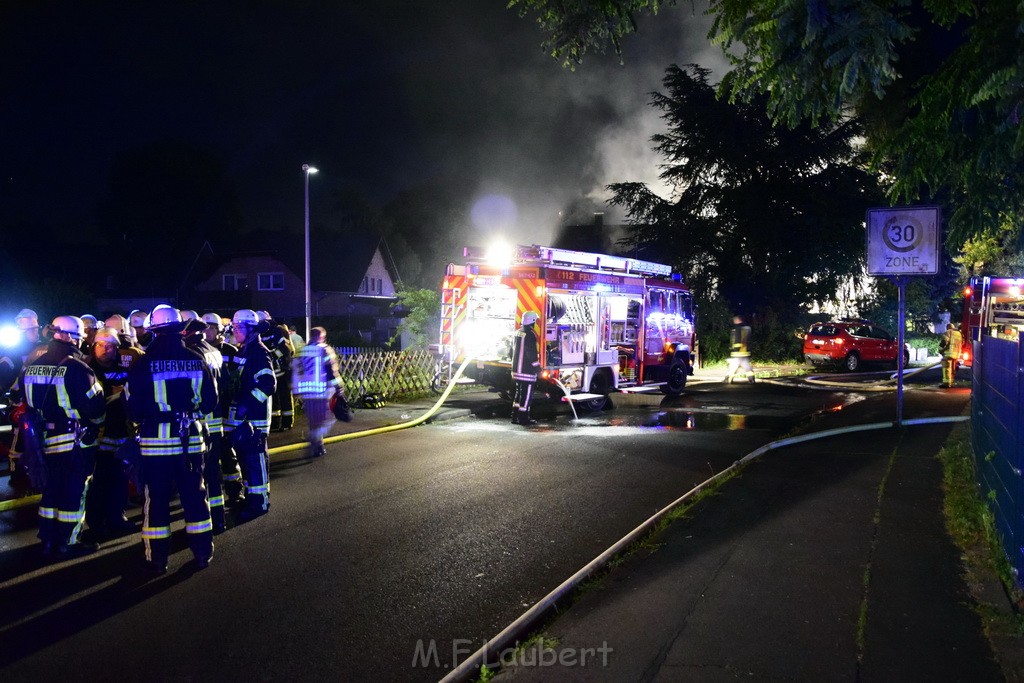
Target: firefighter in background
[(276, 338), (120, 325), (316, 379), (253, 386), (62, 388), (140, 335), (231, 475), (169, 390), (91, 325), (525, 364), (951, 345), (739, 351), (195, 339), (108, 492), (12, 363)]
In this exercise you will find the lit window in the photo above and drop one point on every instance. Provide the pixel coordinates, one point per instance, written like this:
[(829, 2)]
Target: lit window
[(270, 282), (234, 281)]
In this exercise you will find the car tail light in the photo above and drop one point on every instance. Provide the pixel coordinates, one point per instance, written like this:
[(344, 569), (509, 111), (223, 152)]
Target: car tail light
[(838, 341)]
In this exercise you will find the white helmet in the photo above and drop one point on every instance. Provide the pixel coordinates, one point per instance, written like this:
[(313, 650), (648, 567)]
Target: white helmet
[(137, 318), (90, 321), (245, 316), (530, 317), (212, 320), (108, 335), (119, 323), (26, 319), (263, 315), (162, 316), (70, 325), (189, 314)]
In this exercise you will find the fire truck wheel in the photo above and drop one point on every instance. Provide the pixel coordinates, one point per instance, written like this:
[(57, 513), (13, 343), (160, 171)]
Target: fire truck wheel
[(600, 383), (676, 382)]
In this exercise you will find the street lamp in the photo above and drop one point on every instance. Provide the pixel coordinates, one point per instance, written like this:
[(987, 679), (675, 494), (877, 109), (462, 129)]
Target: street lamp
[(306, 170)]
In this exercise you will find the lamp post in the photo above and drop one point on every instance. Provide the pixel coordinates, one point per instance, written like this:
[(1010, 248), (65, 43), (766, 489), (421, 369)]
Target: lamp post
[(306, 170)]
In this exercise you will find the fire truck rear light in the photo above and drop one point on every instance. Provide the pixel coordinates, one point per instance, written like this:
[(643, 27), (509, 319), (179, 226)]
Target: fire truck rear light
[(546, 374), (967, 291), (965, 356)]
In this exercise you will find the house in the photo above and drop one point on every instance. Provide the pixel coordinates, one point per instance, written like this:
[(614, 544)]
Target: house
[(352, 285)]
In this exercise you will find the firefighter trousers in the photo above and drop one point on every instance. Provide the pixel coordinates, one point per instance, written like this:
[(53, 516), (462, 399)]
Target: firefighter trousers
[(108, 492), (62, 505), (283, 414), (160, 475), (521, 402), (256, 474), (213, 477), (948, 371)]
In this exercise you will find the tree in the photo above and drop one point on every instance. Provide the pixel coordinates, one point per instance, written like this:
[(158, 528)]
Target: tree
[(422, 308), (939, 84), (766, 217)]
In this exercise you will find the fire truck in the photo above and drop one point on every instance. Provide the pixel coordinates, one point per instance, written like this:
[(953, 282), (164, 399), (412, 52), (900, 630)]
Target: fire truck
[(993, 306), (609, 322)]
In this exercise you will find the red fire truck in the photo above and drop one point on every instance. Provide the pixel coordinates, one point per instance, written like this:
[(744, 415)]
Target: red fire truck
[(993, 306), (609, 322)]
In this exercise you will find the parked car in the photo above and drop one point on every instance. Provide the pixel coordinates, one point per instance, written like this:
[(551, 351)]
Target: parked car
[(851, 343)]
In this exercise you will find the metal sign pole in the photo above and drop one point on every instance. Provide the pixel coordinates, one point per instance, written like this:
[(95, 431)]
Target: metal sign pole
[(901, 284)]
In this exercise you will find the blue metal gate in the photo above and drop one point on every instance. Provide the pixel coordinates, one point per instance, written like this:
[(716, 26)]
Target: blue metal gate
[(997, 420)]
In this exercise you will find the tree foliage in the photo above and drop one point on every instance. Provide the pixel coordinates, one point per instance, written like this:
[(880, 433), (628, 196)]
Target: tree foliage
[(422, 308), (767, 217), (939, 83)]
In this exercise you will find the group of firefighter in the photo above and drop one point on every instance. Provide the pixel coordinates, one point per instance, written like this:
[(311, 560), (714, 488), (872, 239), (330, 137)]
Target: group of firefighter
[(164, 405)]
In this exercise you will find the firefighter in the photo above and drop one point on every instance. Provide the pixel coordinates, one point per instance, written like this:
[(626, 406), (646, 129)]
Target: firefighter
[(195, 339), (91, 325), (141, 336), (253, 386), (169, 390), (276, 338), (108, 492), (951, 345), (231, 475), (525, 363), (124, 331), (63, 390), (315, 378), (28, 349), (739, 352)]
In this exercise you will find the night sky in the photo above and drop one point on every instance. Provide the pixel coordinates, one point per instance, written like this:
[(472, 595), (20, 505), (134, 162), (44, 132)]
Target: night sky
[(381, 96)]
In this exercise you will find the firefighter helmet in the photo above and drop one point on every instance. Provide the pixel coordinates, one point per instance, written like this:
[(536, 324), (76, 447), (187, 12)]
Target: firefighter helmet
[(90, 322), (340, 407), (263, 315), (26, 319), (530, 317), (188, 314), (108, 335), (245, 316), (119, 323), (137, 318), (70, 325), (163, 316), (213, 320)]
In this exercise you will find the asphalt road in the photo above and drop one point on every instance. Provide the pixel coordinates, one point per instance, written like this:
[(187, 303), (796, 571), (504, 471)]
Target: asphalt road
[(436, 536)]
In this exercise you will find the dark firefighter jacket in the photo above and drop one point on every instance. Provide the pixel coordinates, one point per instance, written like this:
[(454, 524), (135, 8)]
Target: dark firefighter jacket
[(525, 355)]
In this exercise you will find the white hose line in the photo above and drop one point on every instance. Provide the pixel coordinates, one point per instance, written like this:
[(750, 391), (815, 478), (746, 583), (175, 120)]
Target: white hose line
[(512, 633), (568, 398)]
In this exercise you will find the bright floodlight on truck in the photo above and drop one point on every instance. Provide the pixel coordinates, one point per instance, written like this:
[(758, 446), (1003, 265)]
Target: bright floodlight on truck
[(500, 254)]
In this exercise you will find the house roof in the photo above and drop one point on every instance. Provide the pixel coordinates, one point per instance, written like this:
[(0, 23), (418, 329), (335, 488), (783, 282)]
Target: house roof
[(337, 262)]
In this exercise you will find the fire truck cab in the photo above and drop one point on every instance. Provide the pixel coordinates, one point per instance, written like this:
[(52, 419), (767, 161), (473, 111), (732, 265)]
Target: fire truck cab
[(993, 306), (606, 322)]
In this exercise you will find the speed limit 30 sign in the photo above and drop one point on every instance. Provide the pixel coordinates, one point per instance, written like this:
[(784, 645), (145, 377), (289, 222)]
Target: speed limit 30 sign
[(903, 241)]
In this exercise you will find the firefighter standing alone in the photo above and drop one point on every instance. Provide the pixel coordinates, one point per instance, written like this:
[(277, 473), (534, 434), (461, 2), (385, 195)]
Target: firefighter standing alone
[(739, 351), (525, 364), (169, 390), (951, 345)]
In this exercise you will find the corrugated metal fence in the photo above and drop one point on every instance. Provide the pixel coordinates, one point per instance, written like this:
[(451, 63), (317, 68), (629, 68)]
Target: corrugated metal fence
[(997, 428)]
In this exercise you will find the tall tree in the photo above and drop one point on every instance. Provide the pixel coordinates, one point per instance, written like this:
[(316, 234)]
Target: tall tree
[(765, 216), (941, 82)]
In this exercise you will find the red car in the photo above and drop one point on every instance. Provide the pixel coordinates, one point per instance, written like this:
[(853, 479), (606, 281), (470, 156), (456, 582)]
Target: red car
[(850, 343)]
